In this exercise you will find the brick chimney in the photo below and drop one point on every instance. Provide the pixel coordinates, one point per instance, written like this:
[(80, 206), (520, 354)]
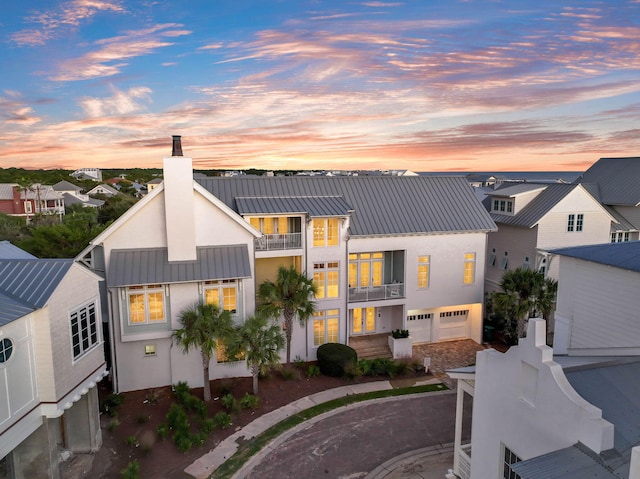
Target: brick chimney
[(179, 204)]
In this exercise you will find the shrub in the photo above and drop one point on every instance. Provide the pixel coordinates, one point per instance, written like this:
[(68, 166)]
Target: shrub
[(288, 374), (112, 403), (113, 424), (382, 367), (313, 371), (162, 430), (208, 425), (333, 357), (299, 362), (400, 333), (352, 370), (400, 368), (131, 441), (229, 402), (132, 471), (196, 405), (183, 441), (153, 396), (249, 401), (222, 420), (366, 367), (181, 391), (177, 419)]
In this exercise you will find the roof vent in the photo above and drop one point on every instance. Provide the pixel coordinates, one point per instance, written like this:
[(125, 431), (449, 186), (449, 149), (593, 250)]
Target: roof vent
[(177, 146)]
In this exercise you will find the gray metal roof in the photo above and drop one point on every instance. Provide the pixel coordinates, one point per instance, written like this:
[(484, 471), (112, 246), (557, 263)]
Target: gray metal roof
[(535, 210), (621, 255), (10, 251), (151, 266), (27, 284), (6, 191), (65, 185), (315, 206), (70, 199), (382, 205), (618, 180), (517, 189)]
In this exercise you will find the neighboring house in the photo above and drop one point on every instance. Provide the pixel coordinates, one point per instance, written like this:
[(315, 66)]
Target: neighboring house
[(153, 184), (51, 358), (538, 415), (72, 195), (103, 189), (94, 174), (385, 253), (535, 218), (615, 182), (29, 201)]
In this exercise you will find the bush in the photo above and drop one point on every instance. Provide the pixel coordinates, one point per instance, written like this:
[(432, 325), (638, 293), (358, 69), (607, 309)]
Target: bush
[(132, 471), (400, 333), (313, 371), (181, 390), (249, 401), (229, 402), (333, 357), (162, 430), (288, 373), (208, 425), (352, 370), (177, 419), (222, 420), (112, 403)]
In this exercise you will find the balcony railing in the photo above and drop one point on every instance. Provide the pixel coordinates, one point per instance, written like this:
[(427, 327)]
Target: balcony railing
[(377, 293), (279, 241), (464, 462)]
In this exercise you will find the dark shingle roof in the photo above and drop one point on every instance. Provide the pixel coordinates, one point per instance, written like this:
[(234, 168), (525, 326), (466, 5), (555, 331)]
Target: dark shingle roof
[(618, 180), (381, 205), (621, 255), (129, 267)]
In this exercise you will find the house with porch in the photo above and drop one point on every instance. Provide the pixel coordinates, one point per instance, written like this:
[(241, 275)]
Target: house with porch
[(385, 252), (566, 412), (51, 359), (29, 201)]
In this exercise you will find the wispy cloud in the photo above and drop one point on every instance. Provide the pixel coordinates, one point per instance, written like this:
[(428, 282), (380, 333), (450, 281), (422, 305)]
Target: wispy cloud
[(120, 103), (15, 110), (53, 23)]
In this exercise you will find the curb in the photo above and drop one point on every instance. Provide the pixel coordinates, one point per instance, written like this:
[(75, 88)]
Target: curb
[(383, 470)]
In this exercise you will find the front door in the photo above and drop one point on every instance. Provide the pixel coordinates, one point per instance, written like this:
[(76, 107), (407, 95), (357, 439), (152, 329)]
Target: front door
[(363, 321)]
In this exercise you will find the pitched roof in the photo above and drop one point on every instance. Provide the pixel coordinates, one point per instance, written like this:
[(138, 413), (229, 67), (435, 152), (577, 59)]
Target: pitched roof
[(6, 191), (536, 208), (130, 267), (27, 284), (382, 205), (10, 251), (510, 189), (65, 185), (70, 199), (618, 180), (314, 205), (620, 255)]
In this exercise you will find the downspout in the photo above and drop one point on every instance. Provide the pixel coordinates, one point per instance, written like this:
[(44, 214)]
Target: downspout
[(112, 346), (306, 259), (346, 296)]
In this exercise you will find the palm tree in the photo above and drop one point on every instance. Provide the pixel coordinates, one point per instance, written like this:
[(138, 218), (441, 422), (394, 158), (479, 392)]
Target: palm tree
[(203, 324), (261, 341), (288, 296)]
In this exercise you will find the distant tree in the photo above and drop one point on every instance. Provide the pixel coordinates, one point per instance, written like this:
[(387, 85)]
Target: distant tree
[(290, 295), (11, 228), (261, 340), (115, 207), (202, 326)]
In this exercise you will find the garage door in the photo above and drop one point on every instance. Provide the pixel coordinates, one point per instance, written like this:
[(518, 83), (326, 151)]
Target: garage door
[(419, 326), (453, 324)]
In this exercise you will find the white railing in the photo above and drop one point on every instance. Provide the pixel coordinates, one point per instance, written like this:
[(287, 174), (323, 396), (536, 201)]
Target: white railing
[(279, 241), (464, 462), (376, 293)]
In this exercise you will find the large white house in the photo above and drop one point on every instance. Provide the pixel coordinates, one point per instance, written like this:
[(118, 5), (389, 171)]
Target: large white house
[(385, 252), (575, 415), (51, 358)]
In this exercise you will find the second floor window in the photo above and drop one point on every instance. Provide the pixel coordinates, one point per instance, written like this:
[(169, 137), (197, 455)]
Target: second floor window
[(575, 222), (325, 232), (84, 329), (423, 271), (146, 304), (222, 293), (325, 326), (469, 268), (326, 278)]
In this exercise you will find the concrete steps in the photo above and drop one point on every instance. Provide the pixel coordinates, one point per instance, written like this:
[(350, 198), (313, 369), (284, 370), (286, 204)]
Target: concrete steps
[(371, 347)]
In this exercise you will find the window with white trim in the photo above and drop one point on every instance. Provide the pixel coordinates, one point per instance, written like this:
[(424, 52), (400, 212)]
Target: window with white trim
[(223, 294), (84, 330), (579, 221), (146, 304), (325, 326), (222, 355), (325, 232), (509, 458), (492, 258), (27, 207), (424, 263), (469, 268), (419, 317), (620, 237), (505, 261), (525, 263), (326, 278), (6, 349), (542, 269), (570, 222)]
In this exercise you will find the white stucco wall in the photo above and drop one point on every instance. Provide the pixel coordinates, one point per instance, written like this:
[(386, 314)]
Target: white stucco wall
[(523, 400)]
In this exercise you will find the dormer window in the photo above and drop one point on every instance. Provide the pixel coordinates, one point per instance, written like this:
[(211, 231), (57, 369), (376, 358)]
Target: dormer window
[(503, 206)]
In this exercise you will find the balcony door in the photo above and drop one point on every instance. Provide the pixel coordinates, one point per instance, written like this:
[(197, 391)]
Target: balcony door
[(365, 270), (363, 321)]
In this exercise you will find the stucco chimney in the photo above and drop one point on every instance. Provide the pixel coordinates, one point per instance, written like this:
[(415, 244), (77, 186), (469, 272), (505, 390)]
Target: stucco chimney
[(179, 205)]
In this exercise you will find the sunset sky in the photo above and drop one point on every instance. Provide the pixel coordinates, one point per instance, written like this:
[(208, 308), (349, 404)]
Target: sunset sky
[(426, 85)]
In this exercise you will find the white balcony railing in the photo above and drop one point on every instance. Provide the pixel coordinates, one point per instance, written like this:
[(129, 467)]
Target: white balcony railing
[(279, 241), (464, 462), (376, 293)]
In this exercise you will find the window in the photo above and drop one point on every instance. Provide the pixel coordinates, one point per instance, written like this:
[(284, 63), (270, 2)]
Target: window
[(271, 225), (509, 458), (325, 232), (84, 330), (222, 293), (419, 317), (6, 349), (579, 222), (492, 257), (543, 267), (469, 268), (325, 277), (453, 314), (366, 269), (325, 326), (496, 205), (525, 263), (620, 237), (146, 304), (149, 349), (223, 357), (27, 207), (423, 271), (570, 222), (509, 206), (505, 261), (502, 205)]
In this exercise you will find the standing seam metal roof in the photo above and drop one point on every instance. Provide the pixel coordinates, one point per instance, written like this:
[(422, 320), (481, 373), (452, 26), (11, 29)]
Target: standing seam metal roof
[(314, 205), (618, 180), (381, 205), (621, 255)]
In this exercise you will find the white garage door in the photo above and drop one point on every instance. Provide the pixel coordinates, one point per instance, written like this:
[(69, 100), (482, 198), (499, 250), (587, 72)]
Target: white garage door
[(453, 324), (419, 326)]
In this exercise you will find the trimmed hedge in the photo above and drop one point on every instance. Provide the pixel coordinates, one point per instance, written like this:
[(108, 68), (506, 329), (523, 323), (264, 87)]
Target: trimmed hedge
[(334, 357)]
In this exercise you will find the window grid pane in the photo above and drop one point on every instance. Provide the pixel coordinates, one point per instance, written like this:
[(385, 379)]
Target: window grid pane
[(84, 330), (469, 268), (318, 232), (332, 231), (423, 271)]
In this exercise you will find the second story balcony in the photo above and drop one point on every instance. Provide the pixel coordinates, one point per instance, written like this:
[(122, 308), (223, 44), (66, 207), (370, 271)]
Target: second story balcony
[(376, 293), (270, 242)]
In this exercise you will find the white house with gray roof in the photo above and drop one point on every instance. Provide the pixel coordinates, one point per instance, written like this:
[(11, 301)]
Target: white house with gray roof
[(51, 358), (385, 252), (571, 411)]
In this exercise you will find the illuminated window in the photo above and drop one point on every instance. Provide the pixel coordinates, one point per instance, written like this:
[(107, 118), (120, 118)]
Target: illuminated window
[(325, 326), (366, 269), (146, 304), (326, 279), (84, 330), (150, 350), (325, 232), (423, 271), (222, 355), (469, 268), (223, 293)]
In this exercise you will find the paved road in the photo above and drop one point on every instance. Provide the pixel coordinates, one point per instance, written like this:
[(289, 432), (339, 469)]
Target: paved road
[(352, 443)]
